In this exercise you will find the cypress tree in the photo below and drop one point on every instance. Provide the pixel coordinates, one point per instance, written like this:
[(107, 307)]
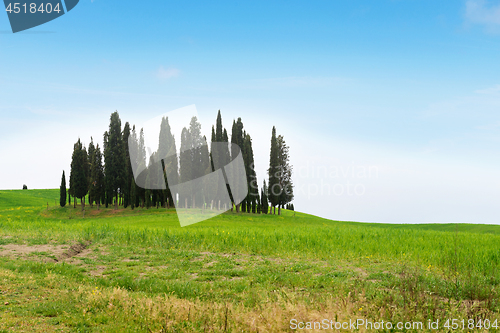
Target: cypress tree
[(114, 159), (96, 189), (90, 162), (139, 191), (199, 159), (78, 176), (226, 158), (62, 191), (212, 150), (259, 204), (132, 193), (274, 186), (284, 174), (148, 192), (167, 152), (205, 169), (238, 139), (107, 185), (265, 198), (128, 165), (221, 154), (138, 152), (185, 169), (253, 188)]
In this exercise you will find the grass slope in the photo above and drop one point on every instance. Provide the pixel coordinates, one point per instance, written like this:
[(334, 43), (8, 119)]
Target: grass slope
[(10, 199), (235, 272)]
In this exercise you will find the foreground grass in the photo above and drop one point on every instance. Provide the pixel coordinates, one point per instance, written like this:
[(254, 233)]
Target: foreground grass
[(245, 272)]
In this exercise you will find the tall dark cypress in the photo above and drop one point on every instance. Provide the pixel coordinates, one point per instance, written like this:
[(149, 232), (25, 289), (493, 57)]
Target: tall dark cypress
[(274, 190), (253, 188), (132, 193), (167, 152), (97, 186), (220, 153), (284, 175), (107, 186), (185, 168), (236, 138), (62, 191), (78, 176), (114, 159), (90, 157), (226, 158), (264, 199), (128, 166)]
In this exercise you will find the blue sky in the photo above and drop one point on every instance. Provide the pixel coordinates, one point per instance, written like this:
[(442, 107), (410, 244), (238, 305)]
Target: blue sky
[(411, 87)]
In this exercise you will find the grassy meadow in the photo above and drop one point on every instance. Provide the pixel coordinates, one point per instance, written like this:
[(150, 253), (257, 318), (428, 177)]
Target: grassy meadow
[(139, 271)]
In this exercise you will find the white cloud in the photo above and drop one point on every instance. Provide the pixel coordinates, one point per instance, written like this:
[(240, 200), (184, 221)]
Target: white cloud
[(489, 91), (165, 74), (481, 12)]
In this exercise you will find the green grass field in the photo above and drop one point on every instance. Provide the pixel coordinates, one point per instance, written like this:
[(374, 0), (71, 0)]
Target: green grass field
[(138, 270)]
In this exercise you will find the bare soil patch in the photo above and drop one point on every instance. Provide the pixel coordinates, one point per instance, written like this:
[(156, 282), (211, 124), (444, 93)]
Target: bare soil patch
[(54, 253)]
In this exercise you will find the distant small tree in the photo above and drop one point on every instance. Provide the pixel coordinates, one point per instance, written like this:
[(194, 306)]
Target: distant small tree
[(62, 191), (25, 187)]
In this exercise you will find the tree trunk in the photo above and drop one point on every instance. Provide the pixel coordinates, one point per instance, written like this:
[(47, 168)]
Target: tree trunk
[(116, 201), (279, 209), (74, 202)]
